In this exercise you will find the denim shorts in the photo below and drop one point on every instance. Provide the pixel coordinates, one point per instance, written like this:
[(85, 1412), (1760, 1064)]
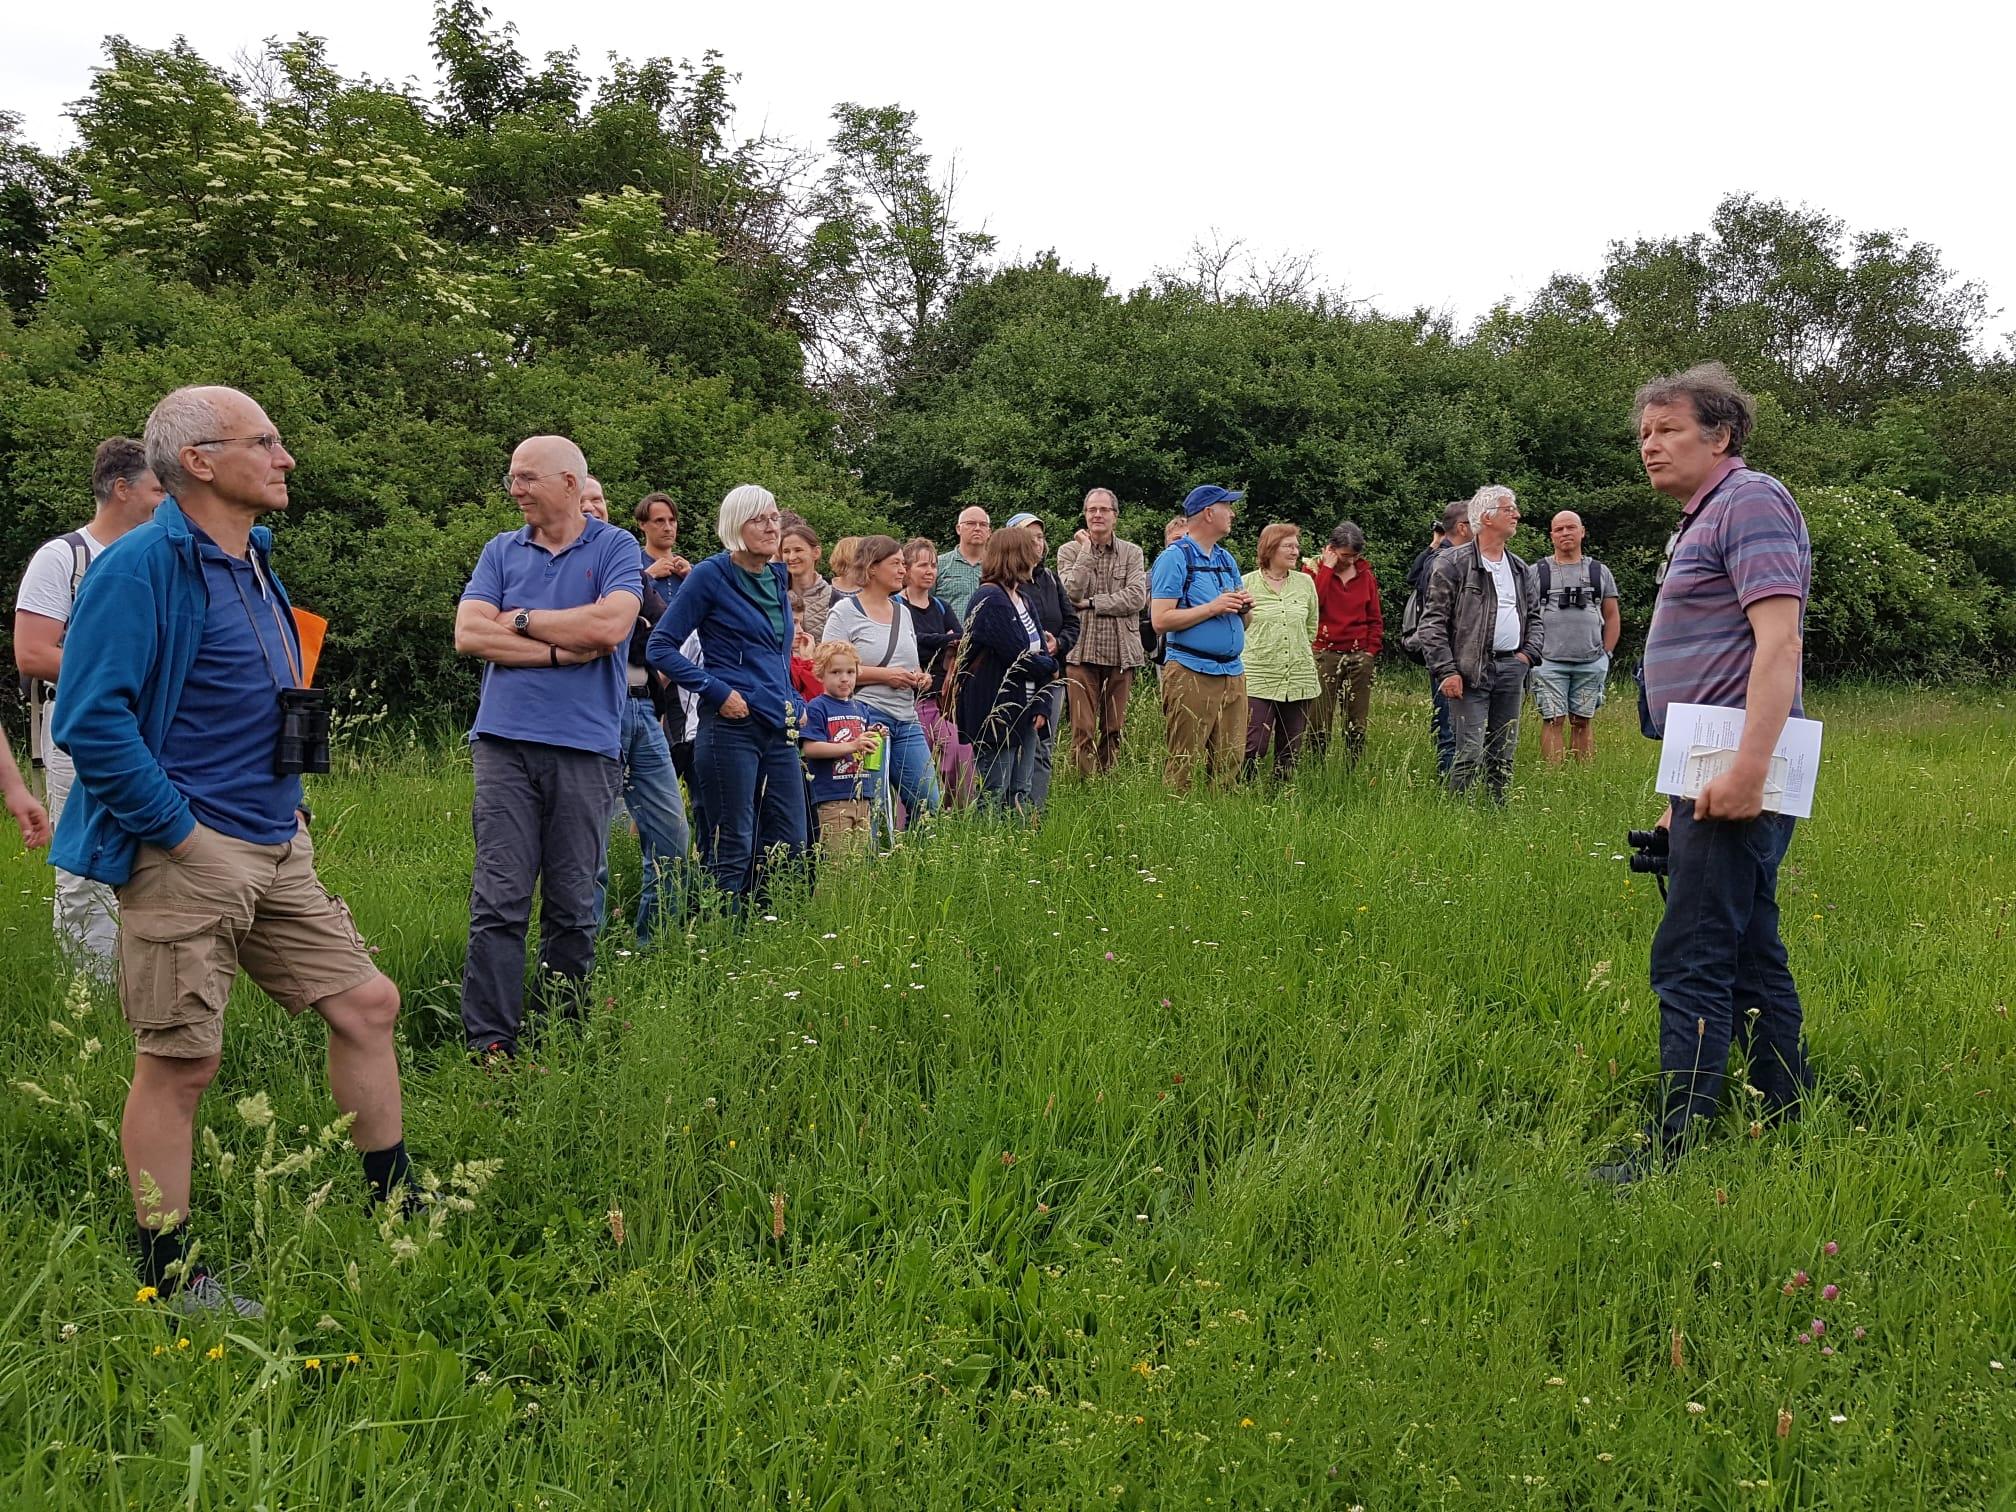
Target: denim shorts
[(1564, 688)]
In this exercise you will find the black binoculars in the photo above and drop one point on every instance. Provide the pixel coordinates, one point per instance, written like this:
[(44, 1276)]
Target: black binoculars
[(1651, 851), (304, 732)]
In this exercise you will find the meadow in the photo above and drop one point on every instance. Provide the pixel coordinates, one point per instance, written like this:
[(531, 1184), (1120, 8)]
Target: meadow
[(1179, 1153)]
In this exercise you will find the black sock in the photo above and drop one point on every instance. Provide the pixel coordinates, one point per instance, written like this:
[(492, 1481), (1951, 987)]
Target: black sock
[(385, 1169), (159, 1249)]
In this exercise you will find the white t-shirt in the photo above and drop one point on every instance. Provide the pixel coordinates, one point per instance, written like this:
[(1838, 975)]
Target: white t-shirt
[(45, 585), (1505, 635), (846, 622)]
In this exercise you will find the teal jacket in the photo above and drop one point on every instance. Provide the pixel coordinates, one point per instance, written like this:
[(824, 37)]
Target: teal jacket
[(132, 638)]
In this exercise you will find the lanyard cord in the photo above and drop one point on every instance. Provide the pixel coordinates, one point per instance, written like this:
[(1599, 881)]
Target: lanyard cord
[(286, 646)]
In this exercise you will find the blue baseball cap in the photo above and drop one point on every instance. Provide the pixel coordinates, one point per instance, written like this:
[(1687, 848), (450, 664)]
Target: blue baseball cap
[(1024, 518), (1205, 495)]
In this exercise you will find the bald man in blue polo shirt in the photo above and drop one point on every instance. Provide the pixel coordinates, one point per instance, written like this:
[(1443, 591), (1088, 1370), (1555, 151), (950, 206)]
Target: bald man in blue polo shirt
[(545, 607)]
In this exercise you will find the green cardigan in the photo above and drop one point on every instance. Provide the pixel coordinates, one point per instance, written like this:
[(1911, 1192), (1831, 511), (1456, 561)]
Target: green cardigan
[(1280, 666)]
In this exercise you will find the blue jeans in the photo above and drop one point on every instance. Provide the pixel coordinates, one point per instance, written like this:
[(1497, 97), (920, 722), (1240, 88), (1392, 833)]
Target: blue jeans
[(753, 788), (1008, 772), (911, 768), (651, 793), (1052, 700), (1720, 970)]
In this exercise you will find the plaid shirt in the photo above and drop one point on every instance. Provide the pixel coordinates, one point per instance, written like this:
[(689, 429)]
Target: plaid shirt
[(1111, 583)]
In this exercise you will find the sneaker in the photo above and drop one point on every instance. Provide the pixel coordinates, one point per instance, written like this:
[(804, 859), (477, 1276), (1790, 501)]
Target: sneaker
[(206, 1294)]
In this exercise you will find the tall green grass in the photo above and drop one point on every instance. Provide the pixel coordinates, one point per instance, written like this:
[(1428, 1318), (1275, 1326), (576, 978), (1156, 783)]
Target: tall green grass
[(1207, 1152)]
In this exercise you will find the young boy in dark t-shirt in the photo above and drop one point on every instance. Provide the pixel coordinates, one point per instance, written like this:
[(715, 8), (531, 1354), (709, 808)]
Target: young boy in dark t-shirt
[(839, 739)]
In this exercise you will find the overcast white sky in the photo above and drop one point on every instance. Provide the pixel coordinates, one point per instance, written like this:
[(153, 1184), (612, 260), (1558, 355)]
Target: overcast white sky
[(1445, 154)]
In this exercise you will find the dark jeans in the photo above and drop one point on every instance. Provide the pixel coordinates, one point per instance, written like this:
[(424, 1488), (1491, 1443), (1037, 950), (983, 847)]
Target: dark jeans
[(1720, 972), (541, 815), (1484, 726), (753, 789), (682, 763), (1438, 724)]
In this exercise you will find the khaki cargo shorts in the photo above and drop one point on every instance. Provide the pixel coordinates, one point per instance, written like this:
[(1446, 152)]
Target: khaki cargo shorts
[(846, 827), (187, 928)]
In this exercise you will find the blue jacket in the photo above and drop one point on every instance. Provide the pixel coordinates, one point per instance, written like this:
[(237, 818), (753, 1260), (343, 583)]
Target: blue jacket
[(742, 653), (132, 638)]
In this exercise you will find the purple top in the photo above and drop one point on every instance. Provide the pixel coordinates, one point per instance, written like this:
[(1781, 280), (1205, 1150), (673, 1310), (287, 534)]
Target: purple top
[(1745, 541)]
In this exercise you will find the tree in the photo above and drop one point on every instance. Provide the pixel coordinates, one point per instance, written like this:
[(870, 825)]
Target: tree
[(887, 255), (31, 182), (1835, 324)]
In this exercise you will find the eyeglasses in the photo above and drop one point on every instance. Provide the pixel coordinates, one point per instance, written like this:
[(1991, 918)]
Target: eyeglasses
[(527, 479), (265, 442), (769, 517)]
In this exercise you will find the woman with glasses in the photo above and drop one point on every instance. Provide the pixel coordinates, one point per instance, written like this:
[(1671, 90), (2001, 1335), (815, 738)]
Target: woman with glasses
[(1349, 632), (1280, 667), (745, 755)]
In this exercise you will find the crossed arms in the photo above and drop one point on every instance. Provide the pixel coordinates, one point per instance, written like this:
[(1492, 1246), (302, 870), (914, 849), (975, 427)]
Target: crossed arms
[(578, 635)]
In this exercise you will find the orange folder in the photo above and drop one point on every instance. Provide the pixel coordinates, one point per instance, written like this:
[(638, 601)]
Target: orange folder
[(311, 628)]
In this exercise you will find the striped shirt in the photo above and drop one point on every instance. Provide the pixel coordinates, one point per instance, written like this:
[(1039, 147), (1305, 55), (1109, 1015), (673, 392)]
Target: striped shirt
[(1744, 541)]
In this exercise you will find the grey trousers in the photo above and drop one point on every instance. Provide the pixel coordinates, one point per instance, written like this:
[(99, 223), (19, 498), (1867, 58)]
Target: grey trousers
[(1484, 723), (542, 815)]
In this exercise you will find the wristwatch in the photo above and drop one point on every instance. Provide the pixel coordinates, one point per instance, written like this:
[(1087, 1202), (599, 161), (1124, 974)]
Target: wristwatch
[(522, 622)]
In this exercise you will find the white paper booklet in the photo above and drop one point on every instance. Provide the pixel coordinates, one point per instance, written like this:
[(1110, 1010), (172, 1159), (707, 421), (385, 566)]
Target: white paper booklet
[(1701, 743)]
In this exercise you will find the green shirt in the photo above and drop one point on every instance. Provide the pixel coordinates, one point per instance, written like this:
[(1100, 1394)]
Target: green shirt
[(958, 580), (761, 586), (1280, 664)]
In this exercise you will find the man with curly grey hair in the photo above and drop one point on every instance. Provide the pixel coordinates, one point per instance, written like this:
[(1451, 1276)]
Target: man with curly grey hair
[(1480, 634)]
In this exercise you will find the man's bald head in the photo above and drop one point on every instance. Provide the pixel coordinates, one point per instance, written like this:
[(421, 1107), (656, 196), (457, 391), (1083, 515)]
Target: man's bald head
[(551, 454), (545, 481), (974, 528), (593, 501), (1567, 533)]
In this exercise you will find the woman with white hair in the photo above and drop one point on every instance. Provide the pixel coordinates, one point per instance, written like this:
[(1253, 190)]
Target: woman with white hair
[(745, 754)]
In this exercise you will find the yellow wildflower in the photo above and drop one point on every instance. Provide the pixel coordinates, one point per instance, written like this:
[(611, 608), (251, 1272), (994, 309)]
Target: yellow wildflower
[(1245, 1422), (214, 1352), (146, 1294), (313, 1362), (351, 1359), (181, 1343)]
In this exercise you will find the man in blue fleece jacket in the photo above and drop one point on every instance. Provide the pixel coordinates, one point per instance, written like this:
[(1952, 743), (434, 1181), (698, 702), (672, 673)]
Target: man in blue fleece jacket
[(179, 646)]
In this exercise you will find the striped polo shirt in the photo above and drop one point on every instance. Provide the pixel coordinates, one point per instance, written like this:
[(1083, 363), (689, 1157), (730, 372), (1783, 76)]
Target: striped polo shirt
[(1745, 541)]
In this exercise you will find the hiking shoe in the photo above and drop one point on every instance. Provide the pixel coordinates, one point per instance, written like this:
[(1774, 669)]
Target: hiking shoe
[(206, 1294)]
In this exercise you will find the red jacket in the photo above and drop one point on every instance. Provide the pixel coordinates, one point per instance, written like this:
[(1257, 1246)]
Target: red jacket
[(1349, 617)]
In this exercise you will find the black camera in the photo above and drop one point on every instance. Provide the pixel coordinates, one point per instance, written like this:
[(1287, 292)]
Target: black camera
[(304, 732), (1651, 851)]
